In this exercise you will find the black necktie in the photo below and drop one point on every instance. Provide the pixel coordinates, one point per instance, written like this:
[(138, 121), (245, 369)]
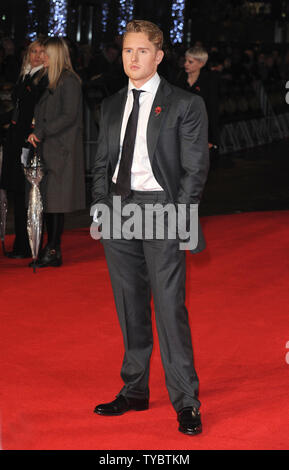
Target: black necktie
[(124, 172)]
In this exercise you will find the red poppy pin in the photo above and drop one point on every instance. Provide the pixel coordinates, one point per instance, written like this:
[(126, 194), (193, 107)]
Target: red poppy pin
[(28, 88), (198, 88), (158, 110)]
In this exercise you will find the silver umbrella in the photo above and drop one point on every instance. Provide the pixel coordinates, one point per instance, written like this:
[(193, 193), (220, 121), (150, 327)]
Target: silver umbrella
[(3, 208), (34, 172)]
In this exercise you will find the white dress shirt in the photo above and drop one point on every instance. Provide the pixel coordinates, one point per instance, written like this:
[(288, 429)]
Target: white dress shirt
[(31, 71), (142, 178)]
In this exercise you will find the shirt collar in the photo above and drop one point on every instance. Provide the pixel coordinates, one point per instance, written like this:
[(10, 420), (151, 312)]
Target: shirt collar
[(150, 86), (33, 70)]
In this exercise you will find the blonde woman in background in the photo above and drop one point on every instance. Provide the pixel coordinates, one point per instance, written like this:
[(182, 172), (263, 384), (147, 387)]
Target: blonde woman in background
[(58, 132), (200, 80), (27, 92)]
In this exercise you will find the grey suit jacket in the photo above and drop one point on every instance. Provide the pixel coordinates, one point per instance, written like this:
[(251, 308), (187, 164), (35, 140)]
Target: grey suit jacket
[(177, 139)]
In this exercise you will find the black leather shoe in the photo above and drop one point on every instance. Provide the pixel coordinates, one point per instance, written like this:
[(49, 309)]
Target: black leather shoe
[(15, 255), (190, 421), (50, 257), (121, 405)]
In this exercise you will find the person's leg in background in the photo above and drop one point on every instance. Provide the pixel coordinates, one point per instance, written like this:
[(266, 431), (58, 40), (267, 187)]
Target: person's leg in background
[(51, 254), (21, 247)]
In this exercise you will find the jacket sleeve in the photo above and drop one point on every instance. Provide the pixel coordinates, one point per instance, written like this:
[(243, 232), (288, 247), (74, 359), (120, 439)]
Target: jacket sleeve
[(70, 95), (100, 162), (193, 134)]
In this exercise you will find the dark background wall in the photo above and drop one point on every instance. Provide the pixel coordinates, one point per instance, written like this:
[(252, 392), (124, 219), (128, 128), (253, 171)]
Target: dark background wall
[(205, 20)]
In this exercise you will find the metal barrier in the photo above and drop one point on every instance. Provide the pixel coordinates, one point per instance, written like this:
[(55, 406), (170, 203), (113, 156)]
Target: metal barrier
[(235, 136), (90, 138), (272, 126), (237, 133)]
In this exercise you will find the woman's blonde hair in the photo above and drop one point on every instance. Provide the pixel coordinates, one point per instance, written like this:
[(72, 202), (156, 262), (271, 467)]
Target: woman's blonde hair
[(26, 57), (198, 53), (59, 60)]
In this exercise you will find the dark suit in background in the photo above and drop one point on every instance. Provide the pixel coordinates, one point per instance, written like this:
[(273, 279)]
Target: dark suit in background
[(207, 86), (177, 144)]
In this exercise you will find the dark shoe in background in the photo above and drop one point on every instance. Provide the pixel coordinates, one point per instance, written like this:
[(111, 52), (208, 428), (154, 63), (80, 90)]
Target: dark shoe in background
[(17, 255), (48, 257)]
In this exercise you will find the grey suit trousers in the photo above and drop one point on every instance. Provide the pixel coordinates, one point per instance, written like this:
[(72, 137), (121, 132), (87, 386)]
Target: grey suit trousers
[(139, 268)]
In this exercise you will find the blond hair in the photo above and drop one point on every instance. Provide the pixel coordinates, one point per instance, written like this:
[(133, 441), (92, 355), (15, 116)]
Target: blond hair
[(198, 53), (154, 33), (26, 57), (59, 60)]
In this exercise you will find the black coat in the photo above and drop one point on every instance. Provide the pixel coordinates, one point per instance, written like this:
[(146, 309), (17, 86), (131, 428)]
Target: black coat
[(25, 96), (207, 86), (5, 118)]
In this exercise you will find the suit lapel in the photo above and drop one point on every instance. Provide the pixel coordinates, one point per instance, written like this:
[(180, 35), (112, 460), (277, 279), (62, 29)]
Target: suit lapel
[(158, 112), (115, 122)]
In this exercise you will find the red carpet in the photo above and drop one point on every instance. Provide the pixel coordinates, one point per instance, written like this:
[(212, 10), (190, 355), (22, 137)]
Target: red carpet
[(61, 347)]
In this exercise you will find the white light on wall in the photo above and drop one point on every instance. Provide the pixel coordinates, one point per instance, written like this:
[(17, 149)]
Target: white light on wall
[(177, 30), (57, 22), (31, 20), (125, 14), (105, 9)]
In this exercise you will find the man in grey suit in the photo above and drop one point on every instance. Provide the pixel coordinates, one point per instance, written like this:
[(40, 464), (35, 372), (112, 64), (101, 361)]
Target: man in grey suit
[(153, 148)]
